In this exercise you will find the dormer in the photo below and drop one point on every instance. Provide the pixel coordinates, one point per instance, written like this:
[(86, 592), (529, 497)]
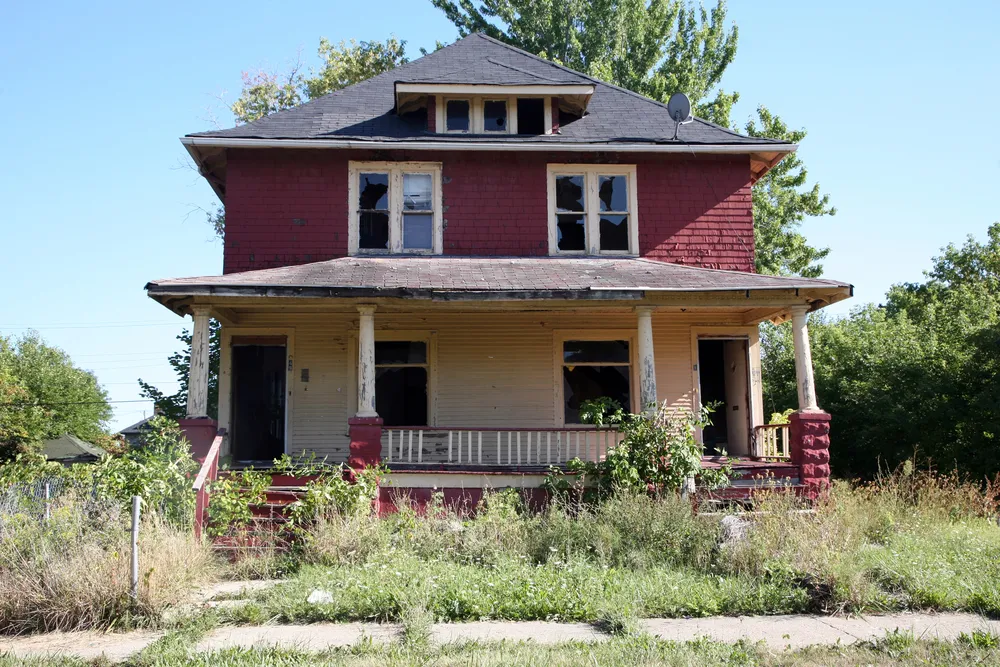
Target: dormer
[(489, 109)]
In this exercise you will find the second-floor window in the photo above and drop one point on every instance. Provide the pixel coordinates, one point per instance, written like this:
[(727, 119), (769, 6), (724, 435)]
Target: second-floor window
[(592, 209), (395, 208)]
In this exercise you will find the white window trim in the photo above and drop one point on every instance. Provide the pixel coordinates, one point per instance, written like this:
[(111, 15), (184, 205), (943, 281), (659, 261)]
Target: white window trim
[(477, 114), (591, 173), (395, 171), (560, 336), (472, 114)]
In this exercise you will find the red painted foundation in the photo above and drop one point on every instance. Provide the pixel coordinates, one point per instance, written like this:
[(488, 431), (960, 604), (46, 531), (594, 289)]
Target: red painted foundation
[(810, 445)]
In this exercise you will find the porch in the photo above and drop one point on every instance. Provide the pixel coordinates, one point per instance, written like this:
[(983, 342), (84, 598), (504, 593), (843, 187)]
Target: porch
[(458, 381)]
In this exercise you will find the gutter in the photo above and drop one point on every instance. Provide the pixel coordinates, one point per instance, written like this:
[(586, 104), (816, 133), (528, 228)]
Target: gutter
[(730, 149)]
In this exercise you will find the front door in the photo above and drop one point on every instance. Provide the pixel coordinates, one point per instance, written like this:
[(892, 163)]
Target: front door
[(258, 420)]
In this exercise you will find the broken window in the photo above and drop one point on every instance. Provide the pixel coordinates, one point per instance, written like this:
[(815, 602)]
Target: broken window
[(594, 369), (373, 211), (530, 115), (495, 115), (398, 207), (457, 115), (613, 193), (401, 382), (571, 213), (593, 209)]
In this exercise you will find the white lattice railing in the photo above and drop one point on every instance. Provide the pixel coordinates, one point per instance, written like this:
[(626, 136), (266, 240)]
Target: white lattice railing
[(492, 446), (771, 441)]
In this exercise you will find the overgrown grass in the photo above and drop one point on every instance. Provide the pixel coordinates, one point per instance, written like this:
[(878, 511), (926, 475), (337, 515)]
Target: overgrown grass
[(895, 650), (912, 541), (72, 571)]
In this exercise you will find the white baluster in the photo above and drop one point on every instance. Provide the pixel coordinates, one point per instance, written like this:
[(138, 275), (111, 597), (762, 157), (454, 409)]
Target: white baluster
[(420, 447), (518, 448), (390, 445), (548, 448), (449, 446), (480, 447), (409, 448)]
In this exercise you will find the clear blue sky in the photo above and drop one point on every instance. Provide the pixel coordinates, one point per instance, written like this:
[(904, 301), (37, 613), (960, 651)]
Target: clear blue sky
[(900, 100)]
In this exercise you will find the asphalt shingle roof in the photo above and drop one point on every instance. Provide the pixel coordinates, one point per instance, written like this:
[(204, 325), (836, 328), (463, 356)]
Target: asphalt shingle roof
[(364, 111), (488, 274)]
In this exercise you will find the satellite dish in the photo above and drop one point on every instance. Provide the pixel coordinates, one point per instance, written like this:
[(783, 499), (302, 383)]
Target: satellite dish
[(679, 108)]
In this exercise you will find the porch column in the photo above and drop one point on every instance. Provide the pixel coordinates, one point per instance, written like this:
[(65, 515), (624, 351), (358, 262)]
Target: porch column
[(365, 426), (366, 363), (648, 402), (803, 361), (197, 402), (810, 426)]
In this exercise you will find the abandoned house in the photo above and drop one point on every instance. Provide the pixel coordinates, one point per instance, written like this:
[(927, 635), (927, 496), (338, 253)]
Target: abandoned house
[(435, 267)]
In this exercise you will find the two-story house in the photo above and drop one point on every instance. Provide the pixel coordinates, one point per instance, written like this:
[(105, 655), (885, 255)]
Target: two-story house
[(435, 267)]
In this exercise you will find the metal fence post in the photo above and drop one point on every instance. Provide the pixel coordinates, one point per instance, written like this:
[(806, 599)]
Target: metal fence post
[(136, 503), (48, 505)]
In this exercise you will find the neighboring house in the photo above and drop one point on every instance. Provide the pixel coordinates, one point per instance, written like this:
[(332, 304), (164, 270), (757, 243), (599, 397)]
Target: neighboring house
[(436, 266), (68, 449), (133, 434)]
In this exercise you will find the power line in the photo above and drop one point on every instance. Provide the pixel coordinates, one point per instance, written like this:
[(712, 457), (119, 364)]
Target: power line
[(88, 326), (49, 405)]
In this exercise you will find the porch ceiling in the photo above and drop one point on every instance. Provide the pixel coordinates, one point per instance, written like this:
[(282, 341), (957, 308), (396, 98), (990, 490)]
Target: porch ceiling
[(492, 279)]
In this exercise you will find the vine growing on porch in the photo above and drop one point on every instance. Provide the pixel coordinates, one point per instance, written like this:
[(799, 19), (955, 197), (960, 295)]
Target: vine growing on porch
[(658, 453)]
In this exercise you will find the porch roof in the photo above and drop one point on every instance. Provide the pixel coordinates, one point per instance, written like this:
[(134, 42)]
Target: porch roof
[(486, 278)]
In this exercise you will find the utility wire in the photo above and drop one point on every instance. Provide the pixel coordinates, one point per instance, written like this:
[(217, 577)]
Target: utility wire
[(49, 405)]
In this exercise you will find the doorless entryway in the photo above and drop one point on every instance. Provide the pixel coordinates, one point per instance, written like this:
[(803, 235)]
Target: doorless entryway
[(258, 413), (724, 378)]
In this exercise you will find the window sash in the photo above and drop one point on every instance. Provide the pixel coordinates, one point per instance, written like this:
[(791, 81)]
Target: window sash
[(592, 208), (468, 117), (397, 208)]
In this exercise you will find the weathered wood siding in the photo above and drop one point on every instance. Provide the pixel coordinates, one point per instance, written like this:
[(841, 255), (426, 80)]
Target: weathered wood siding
[(487, 369)]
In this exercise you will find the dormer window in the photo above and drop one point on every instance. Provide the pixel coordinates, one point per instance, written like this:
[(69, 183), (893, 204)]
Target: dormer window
[(458, 116), (395, 207), (592, 209), (495, 116)]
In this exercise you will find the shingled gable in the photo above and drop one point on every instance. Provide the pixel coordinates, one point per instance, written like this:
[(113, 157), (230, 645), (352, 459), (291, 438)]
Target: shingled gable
[(365, 111), (476, 277)]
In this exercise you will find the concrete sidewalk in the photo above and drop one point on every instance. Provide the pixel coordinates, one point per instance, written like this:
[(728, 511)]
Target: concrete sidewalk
[(778, 632)]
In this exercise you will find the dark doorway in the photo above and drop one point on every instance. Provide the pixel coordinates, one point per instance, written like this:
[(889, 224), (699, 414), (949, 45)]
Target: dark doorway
[(258, 424), (723, 369)]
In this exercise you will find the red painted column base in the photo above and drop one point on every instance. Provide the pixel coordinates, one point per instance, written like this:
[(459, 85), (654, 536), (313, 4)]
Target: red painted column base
[(810, 445), (200, 432), (366, 442)]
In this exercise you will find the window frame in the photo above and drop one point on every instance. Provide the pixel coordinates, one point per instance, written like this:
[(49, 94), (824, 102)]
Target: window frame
[(472, 114), (477, 113), (382, 335), (395, 170), (560, 336), (592, 218)]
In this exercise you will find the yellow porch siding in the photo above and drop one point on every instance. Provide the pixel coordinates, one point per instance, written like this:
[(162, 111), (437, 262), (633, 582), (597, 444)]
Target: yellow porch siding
[(489, 370)]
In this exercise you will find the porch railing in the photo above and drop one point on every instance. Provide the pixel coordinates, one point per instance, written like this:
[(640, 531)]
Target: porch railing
[(206, 475), (495, 446), (771, 441)]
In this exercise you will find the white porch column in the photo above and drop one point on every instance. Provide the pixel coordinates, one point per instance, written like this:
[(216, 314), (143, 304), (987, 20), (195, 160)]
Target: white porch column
[(803, 361), (366, 362), (197, 403), (647, 365)]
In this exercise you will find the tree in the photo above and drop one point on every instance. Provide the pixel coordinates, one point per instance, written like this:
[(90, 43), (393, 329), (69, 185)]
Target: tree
[(44, 395), (654, 47), (917, 374), (780, 204), (174, 406), (343, 65), (657, 48)]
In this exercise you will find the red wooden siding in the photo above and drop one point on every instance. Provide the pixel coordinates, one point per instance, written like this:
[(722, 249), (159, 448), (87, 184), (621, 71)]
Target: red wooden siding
[(290, 207)]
